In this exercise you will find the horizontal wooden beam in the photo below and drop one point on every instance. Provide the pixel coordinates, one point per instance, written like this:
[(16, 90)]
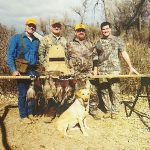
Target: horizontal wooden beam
[(120, 76), (90, 77), (19, 77)]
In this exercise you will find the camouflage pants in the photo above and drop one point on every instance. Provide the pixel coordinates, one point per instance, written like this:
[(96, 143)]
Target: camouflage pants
[(109, 92), (94, 101)]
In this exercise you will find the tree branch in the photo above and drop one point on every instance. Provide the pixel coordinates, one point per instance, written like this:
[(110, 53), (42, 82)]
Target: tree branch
[(137, 13)]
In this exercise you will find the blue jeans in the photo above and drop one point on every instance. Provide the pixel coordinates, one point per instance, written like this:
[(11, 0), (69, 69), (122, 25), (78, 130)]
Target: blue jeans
[(25, 107)]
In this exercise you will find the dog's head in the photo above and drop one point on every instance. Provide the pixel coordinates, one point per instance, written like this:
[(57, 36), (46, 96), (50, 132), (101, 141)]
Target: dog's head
[(83, 95)]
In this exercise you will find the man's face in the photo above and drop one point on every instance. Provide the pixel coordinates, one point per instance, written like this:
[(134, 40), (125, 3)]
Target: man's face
[(106, 31), (30, 28), (80, 34), (56, 28)]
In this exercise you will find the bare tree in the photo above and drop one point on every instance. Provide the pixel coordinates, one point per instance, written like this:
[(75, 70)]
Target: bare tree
[(43, 26), (149, 36), (131, 13), (137, 14), (105, 9), (81, 11)]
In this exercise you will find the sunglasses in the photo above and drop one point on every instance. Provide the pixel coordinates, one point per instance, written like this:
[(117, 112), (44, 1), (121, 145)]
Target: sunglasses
[(32, 25), (56, 25), (80, 30)]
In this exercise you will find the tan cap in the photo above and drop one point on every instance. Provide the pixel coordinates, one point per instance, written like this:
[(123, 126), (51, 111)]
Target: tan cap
[(55, 21)]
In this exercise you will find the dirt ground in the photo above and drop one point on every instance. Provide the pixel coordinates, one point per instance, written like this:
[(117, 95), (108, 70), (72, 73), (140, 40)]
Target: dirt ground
[(123, 133)]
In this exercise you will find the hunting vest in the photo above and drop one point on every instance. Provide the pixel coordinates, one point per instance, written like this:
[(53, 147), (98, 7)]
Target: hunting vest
[(55, 60)]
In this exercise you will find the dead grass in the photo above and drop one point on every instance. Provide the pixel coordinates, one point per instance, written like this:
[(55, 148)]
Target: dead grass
[(106, 134)]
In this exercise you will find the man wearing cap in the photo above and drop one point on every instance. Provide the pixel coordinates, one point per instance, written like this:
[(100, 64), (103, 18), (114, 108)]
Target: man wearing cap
[(52, 55), (81, 54), (54, 38), (30, 44)]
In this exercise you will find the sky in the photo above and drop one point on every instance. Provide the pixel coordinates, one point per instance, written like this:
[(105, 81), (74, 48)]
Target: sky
[(15, 12)]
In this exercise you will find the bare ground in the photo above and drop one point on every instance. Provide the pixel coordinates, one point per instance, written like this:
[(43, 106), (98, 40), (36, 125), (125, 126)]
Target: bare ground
[(123, 133)]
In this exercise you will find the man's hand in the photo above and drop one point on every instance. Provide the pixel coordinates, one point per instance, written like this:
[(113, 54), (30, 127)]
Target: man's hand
[(16, 73), (128, 61), (132, 70)]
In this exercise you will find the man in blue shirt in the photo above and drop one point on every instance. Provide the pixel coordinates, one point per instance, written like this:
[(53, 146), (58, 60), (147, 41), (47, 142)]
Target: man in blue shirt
[(30, 51)]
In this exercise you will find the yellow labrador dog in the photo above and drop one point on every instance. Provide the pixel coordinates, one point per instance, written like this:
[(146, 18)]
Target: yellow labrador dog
[(75, 114)]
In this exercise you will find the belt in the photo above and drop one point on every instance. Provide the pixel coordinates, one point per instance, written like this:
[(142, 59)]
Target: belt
[(57, 59)]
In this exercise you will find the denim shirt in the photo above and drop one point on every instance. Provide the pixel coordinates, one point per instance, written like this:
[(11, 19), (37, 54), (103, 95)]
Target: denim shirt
[(30, 50)]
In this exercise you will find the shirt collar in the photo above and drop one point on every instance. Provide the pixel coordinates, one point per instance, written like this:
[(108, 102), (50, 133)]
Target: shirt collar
[(56, 37), (77, 40), (25, 36), (110, 37)]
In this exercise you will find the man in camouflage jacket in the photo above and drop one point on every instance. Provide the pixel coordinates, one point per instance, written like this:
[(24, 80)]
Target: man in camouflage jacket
[(81, 52), (109, 49)]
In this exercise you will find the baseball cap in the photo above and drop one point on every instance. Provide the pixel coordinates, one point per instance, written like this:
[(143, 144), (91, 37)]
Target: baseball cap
[(31, 21), (55, 21), (80, 26)]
